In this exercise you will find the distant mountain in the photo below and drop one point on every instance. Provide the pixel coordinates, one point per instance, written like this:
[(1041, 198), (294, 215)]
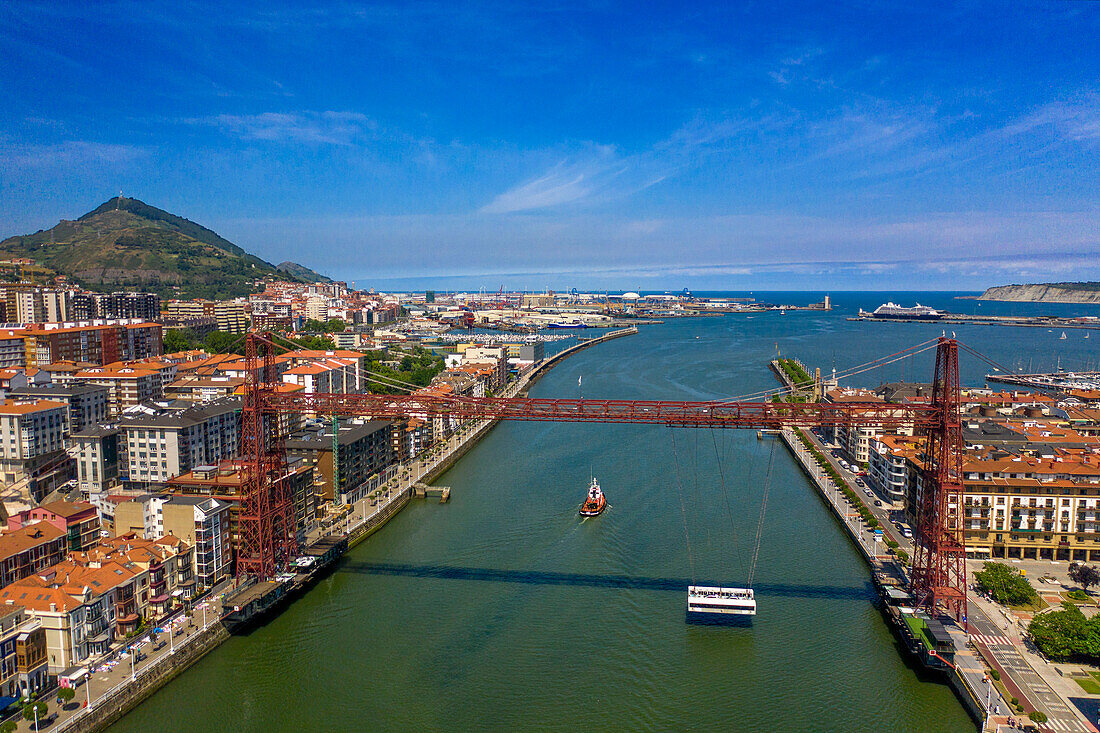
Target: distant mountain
[(302, 272), (1085, 292), (128, 244)]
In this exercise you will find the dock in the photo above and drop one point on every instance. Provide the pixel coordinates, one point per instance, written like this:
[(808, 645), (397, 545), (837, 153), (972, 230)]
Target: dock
[(949, 319)]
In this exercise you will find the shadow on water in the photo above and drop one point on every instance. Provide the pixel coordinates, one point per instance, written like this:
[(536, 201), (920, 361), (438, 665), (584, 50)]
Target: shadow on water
[(864, 592)]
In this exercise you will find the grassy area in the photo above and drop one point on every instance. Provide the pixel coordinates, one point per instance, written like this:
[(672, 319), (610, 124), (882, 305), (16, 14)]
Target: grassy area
[(1089, 685), (1034, 607)]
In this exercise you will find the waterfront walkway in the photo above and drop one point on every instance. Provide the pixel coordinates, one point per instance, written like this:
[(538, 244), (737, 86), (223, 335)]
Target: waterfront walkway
[(111, 675)]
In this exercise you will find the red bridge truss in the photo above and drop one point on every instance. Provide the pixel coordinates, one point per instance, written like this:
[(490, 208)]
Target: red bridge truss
[(939, 573)]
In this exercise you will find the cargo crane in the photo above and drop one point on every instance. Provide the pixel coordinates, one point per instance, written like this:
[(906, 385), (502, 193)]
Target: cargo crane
[(938, 580)]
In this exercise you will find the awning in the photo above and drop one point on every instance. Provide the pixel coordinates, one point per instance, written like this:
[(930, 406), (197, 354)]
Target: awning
[(159, 599), (129, 618), (177, 592)]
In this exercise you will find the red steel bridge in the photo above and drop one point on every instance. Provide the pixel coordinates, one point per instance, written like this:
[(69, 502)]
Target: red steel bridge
[(938, 579)]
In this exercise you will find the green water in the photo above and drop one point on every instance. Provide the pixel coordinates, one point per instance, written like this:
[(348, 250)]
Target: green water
[(502, 610)]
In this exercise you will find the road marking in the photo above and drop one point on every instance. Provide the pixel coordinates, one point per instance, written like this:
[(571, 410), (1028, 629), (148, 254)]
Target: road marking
[(992, 639)]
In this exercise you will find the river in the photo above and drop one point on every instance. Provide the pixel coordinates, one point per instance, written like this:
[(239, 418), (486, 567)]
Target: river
[(503, 610)]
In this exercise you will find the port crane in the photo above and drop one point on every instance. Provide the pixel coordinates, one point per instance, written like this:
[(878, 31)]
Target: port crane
[(938, 580)]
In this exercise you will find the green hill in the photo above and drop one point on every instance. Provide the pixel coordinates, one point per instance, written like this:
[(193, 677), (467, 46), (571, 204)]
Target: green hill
[(302, 272), (128, 244)]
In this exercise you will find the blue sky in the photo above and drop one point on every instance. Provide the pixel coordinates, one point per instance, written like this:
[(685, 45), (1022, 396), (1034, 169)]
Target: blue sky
[(619, 145)]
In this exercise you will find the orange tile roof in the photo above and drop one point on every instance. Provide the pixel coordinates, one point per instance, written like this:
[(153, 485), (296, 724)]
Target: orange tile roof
[(24, 538), (12, 407)]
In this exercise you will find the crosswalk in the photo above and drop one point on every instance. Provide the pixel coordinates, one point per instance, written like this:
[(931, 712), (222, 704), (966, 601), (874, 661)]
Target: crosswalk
[(991, 639), (1061, 725)]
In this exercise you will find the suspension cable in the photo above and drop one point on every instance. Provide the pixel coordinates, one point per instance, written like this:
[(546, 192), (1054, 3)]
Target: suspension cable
[(763, 510), (680, 494)]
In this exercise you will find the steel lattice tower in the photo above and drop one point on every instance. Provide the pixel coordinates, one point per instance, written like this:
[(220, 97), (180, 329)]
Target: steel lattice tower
[(266, 523), (939, 550)]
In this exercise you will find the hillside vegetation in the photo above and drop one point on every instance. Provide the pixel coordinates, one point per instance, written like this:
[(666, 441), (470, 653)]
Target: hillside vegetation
[(128, 244)]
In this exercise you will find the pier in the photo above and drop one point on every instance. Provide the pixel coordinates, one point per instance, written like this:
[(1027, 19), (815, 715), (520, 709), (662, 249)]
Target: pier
[(1051, 322)]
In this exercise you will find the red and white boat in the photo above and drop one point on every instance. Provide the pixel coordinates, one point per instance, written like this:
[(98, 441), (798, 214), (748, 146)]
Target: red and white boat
[(595, 502)]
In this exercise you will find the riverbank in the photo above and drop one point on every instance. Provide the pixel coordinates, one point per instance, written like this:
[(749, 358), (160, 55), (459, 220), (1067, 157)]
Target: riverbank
[(967, 672), (256, 603)]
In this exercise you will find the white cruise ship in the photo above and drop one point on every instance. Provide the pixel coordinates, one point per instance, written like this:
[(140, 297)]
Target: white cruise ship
[(893, 310), (720, 604)]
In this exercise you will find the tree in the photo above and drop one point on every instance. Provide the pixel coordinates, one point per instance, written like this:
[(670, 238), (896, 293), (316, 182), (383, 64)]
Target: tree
[(1006, 585), (179, 340), (1084, 575), (66, 694), (1062, 634), (220, 342), (31, 707), (8, 726)]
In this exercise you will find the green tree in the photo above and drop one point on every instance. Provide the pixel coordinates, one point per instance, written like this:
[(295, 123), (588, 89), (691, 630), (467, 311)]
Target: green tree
[(31, 708), (1006, 585), (1063, 634), (179, 340), (220, 342), (66, 693)]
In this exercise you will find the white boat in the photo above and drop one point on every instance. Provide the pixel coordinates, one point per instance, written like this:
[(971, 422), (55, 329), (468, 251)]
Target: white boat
[(717, 603), (1062, 337), (892, 310)]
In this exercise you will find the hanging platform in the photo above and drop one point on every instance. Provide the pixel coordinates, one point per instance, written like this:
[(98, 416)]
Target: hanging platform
[(719, 604)]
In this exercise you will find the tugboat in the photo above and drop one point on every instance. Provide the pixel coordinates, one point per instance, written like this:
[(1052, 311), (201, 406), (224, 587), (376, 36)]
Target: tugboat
[(595, 502)]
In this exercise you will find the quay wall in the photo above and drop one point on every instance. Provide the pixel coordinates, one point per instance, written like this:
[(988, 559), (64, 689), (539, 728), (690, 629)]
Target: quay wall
[(969, 697), (129, 695)]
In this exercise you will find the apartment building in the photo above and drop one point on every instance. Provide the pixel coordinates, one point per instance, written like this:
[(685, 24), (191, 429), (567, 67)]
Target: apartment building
[(100, 450), (126, 385), (365, 449), (168, 442), (87, 404), (89, 306), (24, 667), (90, 599), (95, 342), (231, 316), (223, 481), (79, 522), (201, 522), (13, 350), (31, 444), (31, 548)]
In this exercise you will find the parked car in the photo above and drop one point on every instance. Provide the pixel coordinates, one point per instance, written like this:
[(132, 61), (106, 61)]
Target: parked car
[(869, 493), (859, 481), (907, 533), (878, 502)]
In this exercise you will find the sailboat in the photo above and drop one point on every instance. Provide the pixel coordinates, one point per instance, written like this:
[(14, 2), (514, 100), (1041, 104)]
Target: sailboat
[(1062, 337)]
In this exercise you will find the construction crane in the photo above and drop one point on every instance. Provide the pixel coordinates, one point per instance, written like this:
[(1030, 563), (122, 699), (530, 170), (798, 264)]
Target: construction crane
[(938, 579)]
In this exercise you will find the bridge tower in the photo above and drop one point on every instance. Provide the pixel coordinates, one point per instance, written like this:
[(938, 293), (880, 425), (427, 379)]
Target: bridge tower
[(939, 552), (266, 525)]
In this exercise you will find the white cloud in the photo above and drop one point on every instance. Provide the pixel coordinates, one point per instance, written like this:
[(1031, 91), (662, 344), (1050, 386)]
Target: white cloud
[(328, 127), (70, 154)]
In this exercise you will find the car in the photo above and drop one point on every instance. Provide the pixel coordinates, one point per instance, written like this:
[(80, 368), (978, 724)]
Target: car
[(878, 502), (907, 533), (869, 493), (859, 481)]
